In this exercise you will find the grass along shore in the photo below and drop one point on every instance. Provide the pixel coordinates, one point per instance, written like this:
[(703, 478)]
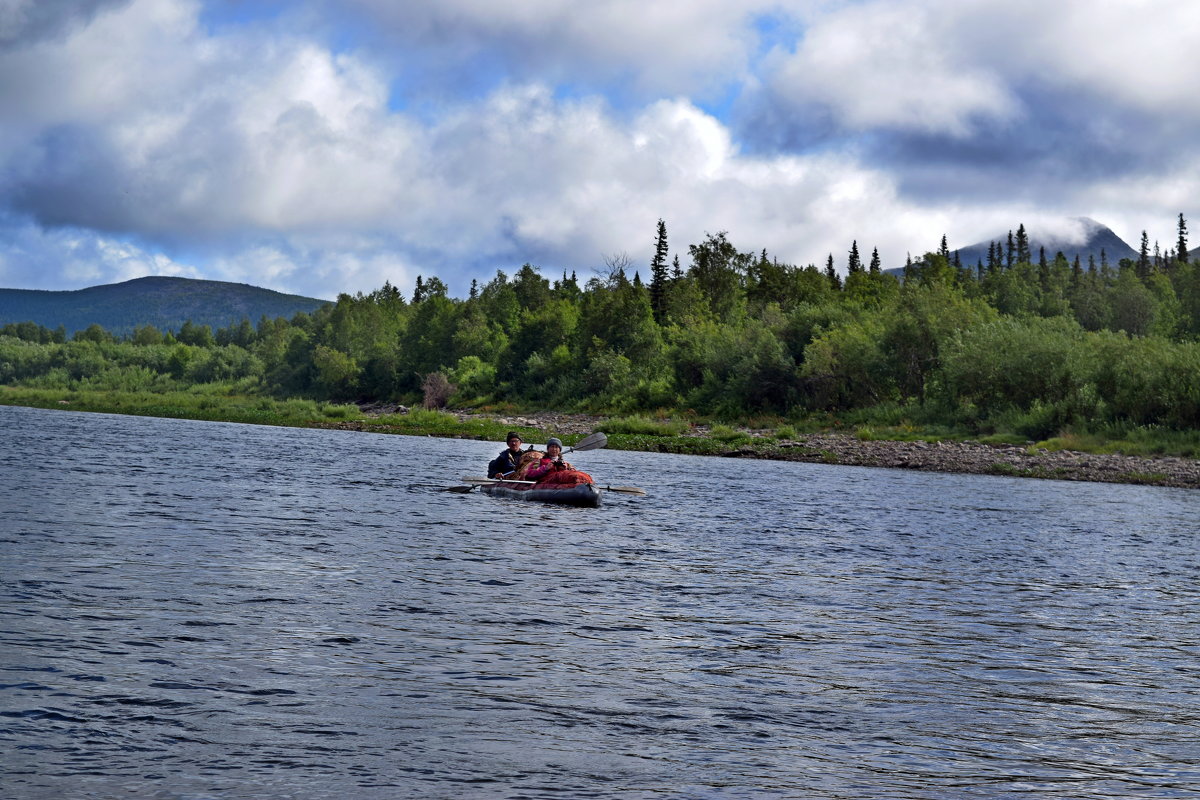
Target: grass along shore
[(1147, 457)]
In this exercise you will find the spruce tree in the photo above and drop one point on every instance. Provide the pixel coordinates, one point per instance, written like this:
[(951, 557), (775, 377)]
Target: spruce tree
[(1023, 254), (474, 293), (419, 290), (875, 261), (1010, 253), (676, 272), (944, 248), (855, 261), (658, 274), (1181, 251), (1042, 264), (831, 274), (1143, 262)]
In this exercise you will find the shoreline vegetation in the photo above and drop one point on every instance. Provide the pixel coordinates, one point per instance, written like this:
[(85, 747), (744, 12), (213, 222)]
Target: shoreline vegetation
[(1028, 365), (901, 447)]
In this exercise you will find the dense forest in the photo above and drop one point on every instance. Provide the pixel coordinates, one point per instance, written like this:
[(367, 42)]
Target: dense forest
[(1023, 342)]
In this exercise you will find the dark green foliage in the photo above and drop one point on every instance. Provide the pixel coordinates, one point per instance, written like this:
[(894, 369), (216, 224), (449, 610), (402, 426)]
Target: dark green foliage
[(1029, 349), (658, 274), (719, 270), (1181, 251), (1023, 254), (855, 261)]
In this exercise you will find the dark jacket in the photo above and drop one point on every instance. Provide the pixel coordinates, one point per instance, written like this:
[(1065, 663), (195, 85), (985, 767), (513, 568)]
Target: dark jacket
[(505, 462)]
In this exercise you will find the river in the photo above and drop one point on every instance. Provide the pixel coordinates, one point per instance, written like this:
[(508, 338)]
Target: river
[(206, 610)]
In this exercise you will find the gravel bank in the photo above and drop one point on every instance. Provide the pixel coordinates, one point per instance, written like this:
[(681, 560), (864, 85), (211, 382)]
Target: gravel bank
[(980, 459)]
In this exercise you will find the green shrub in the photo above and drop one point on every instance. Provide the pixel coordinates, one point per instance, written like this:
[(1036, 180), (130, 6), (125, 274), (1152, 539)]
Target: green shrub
[(724, 433)]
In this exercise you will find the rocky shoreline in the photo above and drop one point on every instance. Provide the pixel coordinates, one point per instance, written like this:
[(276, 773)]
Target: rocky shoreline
[(981, 459), (951, 457)]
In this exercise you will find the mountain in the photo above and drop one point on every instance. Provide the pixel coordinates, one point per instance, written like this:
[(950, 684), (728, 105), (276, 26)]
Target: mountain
[(165, 303), (1080, 236)]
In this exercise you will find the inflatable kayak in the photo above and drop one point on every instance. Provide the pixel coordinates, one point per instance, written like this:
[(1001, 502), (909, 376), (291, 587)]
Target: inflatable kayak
[(578, 494)]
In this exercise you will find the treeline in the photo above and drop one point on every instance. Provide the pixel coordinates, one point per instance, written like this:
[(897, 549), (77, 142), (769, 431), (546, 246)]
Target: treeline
[(1028, 344)]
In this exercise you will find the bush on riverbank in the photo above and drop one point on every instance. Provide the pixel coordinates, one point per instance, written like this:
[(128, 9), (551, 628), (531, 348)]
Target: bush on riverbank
[(1016, 351)]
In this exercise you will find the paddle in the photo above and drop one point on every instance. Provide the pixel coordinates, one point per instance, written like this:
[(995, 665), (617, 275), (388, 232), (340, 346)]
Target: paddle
[(458, 489), (593, 441), (479, 481)]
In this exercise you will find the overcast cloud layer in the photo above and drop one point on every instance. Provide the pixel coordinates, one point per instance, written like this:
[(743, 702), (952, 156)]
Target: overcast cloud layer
[(326, 146)]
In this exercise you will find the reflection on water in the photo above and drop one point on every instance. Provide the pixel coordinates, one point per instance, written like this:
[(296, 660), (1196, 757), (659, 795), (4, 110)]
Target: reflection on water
[(203, 610)]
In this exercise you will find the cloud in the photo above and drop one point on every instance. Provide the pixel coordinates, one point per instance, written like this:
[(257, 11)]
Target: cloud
[(283, 164), (977, 100), (25, 21), (887, 65), (263, 154), (646, 48), (68, 258)]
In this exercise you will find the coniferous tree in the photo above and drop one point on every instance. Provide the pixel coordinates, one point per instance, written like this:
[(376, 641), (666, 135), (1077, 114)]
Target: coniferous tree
[(1023, 254), (855, 264), (1143, 262), (658, 273), (1091, 263), (1181, 251), (1042, 259), (831, 274), (957, 262), (875, 261), (676, 272), (993, 263), (474, 293), (1010, 252), (944, 248), (419, 290)]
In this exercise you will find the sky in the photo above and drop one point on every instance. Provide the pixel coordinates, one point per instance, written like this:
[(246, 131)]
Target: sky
[(326, 146)]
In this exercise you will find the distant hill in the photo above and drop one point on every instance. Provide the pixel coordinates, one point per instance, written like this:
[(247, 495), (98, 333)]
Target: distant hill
[(1080, 236), (165, 303), (1088, 239)]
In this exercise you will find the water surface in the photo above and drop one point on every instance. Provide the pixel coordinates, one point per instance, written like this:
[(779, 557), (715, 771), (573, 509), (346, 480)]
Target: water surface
[(196, 610)]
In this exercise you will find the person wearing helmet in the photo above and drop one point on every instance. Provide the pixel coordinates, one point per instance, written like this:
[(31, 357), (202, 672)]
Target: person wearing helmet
[(551, 462)]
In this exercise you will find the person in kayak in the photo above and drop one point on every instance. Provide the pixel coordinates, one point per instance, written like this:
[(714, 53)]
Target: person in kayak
[(506, 463), (551, 462)]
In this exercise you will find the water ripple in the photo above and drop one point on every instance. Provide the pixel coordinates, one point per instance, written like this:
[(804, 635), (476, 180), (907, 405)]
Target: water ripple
[(202, 610)]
